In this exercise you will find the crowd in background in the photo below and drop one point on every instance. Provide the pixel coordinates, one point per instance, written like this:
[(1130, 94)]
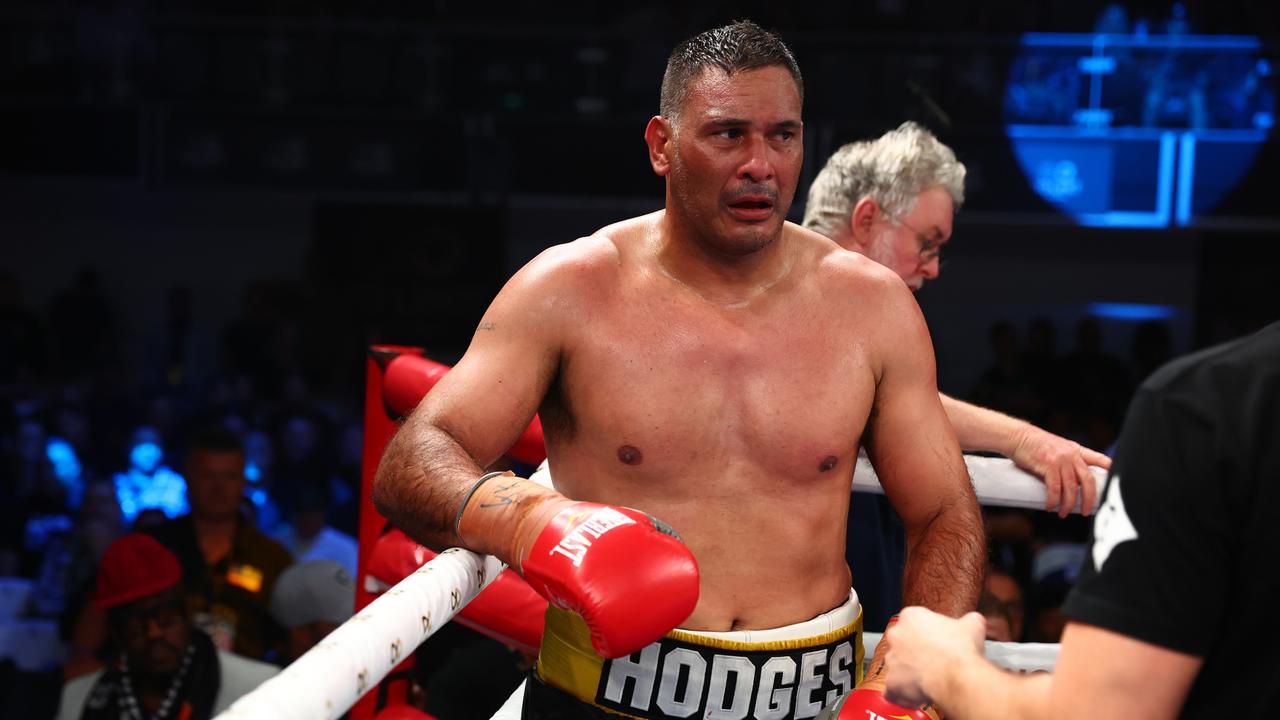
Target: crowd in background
[(95, 443)]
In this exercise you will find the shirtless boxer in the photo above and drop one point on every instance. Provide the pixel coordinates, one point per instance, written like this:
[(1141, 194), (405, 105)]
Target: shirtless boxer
[(716, 367)]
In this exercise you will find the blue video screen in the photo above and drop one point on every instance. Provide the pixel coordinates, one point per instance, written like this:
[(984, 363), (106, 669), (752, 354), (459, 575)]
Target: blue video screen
[(1138, 130)]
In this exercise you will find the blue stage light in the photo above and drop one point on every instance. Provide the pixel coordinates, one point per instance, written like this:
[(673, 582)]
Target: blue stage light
[(1132, 311)]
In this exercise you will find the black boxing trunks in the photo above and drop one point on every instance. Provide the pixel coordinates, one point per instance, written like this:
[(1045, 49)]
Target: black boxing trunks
[(778, 674)]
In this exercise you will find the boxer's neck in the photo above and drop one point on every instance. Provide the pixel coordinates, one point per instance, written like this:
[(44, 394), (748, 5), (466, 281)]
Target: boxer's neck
[(719, 278)]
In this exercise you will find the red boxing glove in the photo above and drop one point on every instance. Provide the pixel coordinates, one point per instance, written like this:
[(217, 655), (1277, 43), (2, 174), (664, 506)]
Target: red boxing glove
[(865, 704), (625, 573)]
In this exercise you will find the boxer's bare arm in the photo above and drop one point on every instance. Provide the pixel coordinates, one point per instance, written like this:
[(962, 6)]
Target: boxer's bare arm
[(476, 411), (916, 455)]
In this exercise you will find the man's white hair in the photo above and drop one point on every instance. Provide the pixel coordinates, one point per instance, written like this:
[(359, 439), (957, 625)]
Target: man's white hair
[(893, 170)]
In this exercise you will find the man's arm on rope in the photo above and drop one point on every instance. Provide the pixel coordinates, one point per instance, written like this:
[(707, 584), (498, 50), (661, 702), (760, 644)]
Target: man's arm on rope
[(1063, 465)]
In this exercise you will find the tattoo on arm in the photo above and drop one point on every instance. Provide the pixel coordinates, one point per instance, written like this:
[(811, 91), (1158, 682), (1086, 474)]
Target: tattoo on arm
[(487, 325), (504, 496)]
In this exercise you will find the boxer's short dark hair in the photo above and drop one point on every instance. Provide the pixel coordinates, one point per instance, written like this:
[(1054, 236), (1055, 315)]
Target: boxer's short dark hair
[(739, 46)]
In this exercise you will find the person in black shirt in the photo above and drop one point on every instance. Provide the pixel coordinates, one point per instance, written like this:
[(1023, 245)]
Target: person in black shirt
[(1174, 612)]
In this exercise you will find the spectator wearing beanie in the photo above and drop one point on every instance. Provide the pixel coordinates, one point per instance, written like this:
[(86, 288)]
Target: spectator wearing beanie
[(167, 668)]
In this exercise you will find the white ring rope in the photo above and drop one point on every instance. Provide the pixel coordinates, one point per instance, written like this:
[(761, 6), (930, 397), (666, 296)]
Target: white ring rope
[(327, 681), (331, 677), (996, 481), (1019, 657)]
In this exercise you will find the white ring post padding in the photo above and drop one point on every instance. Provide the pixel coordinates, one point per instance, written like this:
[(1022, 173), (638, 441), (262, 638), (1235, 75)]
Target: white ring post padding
[(996, 481), (1018, 657), (331, 677)]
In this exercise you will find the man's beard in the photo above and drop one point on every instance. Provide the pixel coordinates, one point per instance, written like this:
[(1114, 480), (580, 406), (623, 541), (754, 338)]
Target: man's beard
[(881, 250)]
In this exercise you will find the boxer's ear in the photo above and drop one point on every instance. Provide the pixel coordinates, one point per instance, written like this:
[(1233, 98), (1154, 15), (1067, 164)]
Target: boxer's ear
[(658, 136)]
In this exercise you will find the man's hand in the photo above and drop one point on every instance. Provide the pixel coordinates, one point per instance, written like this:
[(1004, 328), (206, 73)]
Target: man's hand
[(624, 572), (869, 701), (1063, 465), (923, 647)]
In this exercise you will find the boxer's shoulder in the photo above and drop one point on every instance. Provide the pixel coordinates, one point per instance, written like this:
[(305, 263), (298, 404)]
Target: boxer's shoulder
[(630, 231), (819, 243), (856, 267), (860, 278), (572, 268)]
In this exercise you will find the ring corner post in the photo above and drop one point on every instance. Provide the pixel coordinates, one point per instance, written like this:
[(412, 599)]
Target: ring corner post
[(379, 426)]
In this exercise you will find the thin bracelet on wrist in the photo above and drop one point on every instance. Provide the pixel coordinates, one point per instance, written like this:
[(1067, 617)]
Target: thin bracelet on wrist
[(457, 520)]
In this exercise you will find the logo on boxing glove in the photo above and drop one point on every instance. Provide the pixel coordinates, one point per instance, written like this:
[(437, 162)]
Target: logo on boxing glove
[(576, 542)]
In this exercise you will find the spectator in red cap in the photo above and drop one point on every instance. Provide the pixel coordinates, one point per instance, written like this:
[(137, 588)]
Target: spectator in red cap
[(167, 669)]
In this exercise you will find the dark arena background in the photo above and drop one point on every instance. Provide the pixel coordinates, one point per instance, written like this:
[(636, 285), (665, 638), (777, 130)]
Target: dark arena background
[(210, 210)]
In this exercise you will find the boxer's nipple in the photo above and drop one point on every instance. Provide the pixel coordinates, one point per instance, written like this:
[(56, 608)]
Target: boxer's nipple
[(630, 455)]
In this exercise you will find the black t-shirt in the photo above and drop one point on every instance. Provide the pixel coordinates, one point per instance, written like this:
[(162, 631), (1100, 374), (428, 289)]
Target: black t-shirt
[(1186, 547)]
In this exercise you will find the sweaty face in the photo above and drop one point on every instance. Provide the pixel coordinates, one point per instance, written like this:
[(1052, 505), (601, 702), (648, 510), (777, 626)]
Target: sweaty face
[(910, 245), (738, 147), (215, 482)]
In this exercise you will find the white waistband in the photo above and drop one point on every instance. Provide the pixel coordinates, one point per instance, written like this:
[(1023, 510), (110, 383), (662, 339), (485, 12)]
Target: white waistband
[(840, 617)]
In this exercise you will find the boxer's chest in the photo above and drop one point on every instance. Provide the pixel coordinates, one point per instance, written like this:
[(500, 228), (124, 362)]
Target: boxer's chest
[(666, 389)]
